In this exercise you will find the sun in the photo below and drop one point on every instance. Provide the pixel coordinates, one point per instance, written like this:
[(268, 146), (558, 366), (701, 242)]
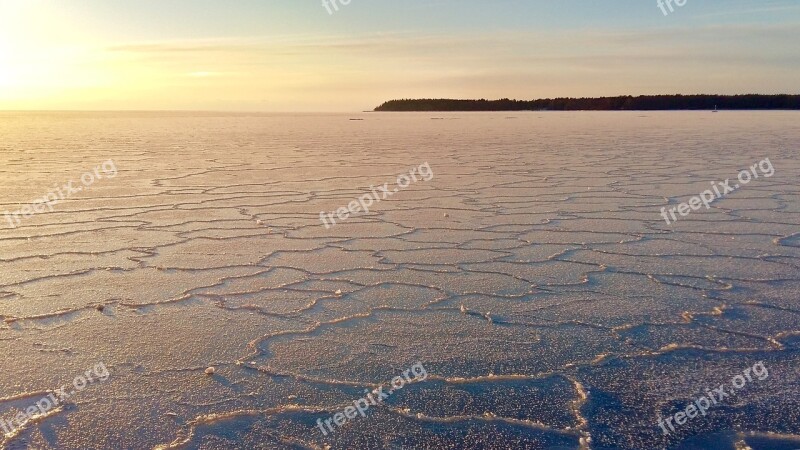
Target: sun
[(6, 75)]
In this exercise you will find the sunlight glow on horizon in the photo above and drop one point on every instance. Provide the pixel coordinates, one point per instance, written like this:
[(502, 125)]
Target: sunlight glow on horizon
[(56, 56)]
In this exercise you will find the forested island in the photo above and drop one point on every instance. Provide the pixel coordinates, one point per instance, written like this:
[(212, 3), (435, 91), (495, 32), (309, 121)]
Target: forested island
[(622, 103)]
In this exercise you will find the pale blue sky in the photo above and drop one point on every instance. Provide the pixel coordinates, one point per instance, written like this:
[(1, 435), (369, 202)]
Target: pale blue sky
[(281, 55), (217, 18)]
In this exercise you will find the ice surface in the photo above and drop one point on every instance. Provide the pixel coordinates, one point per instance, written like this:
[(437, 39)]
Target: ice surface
[(533, 277)]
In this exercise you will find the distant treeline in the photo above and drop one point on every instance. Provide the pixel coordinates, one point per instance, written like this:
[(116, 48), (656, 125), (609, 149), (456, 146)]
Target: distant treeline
[(623, 103)]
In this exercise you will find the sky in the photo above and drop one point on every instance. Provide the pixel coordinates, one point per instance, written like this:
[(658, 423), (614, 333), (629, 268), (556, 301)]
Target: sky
[(299, 55)]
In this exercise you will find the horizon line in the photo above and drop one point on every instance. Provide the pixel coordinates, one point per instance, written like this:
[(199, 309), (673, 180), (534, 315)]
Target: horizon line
[(245, 111)]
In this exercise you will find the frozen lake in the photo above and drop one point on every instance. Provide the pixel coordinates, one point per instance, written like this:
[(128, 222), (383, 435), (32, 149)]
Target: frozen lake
[(522, 259)]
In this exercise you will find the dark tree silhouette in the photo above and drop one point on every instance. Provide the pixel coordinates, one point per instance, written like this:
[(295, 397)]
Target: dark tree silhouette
[(622, 103)]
